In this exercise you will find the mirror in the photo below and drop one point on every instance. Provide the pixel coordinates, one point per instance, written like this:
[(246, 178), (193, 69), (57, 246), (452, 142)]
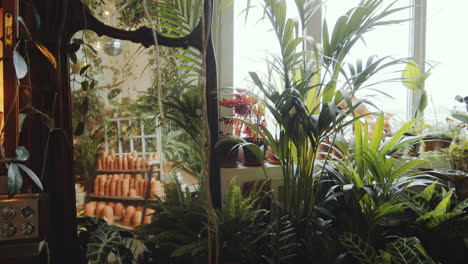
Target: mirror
[(172, 18), (119, 131)]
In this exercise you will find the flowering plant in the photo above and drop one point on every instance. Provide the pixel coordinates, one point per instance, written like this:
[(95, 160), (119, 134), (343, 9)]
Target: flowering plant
[(245, 108)]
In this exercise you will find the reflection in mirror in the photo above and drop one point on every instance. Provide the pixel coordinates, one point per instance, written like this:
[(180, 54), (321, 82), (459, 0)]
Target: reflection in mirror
[(120, 139), (172, 18)]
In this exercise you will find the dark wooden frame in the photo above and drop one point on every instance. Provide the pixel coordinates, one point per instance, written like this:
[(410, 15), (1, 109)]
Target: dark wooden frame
[(63, 18)]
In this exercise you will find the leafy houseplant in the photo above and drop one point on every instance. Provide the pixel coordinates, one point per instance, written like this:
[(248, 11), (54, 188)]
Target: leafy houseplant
[(307, 105), (246, 108), (440, 224), (101, 243)]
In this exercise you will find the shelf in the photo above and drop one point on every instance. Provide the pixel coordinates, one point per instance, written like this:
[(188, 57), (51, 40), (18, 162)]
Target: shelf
[(117, 198), (125, 171), (122, 226)]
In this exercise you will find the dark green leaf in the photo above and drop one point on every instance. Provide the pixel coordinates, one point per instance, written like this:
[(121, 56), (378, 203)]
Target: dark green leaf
[(15, 180), (79, 129), (32, 175), (84, 85), (84, 106), (113, 93), (22, 154), (78, 41), (84, 69)]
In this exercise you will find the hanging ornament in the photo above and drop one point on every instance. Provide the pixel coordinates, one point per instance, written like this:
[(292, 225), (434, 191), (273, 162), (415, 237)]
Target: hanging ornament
[(113, 47)]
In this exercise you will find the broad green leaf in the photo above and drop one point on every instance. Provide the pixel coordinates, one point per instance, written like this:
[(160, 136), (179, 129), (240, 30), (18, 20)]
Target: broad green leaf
[(32, 175), (445, 203), (102, 242)]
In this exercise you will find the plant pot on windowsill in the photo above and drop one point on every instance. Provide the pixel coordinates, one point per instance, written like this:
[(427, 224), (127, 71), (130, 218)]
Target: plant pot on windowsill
[(226, 152), (253, 152), (435, 143), (326, 148), (271, 157)]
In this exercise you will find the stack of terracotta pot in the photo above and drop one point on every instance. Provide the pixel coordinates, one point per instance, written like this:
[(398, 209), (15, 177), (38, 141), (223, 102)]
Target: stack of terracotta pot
[(126, 185), (118, 213), (110, 161)]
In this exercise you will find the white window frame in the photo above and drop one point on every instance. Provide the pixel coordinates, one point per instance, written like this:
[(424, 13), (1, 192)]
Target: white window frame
[(224, 46)]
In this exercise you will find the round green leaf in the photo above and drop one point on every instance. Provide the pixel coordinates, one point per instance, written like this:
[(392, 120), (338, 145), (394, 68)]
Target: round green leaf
[(22, 154)]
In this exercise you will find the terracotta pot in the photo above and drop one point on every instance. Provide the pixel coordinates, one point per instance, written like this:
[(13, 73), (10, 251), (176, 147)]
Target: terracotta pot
[(324, 148), (436, 144), (270, 156), (226, 155)]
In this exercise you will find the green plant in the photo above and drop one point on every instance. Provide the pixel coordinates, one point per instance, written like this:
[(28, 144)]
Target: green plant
[(413, 79), (178, 228), (101, 243), (367, 182), (458, 155), (85, 153), (402, 250), (305, 104), (440, 223), (15, 166)]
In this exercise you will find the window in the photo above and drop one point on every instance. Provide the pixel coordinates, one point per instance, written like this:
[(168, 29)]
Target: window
[(445, 56), (445, 51), (392, 40)]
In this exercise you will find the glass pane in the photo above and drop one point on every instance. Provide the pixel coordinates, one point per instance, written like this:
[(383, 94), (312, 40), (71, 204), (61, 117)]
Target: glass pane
[(445, 50), (392, 40)]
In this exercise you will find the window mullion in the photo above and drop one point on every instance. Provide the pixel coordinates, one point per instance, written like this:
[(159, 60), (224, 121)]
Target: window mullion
[(417, 48)]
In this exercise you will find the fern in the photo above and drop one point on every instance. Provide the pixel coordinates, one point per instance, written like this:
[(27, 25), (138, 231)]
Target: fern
[(192, 249)]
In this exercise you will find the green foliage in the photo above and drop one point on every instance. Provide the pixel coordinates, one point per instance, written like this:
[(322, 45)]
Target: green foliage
[(369, 181), (14, 177), (178, 228), (305, 104), (402, 250), (435, 212), (85, 153), (173, 18), (101, 243)]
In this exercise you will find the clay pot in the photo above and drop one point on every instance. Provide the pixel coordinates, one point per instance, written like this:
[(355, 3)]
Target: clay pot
[(436, 144), (270, 156), (226, 155)]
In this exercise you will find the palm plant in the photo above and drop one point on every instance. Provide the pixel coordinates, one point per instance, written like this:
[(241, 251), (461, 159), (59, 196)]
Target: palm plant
[(369, 184), (306, 103)]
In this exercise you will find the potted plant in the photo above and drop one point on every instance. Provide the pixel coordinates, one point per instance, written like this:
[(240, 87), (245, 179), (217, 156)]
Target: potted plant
[(246, 109)]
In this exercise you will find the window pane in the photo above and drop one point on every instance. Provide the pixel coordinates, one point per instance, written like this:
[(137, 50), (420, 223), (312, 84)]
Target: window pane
[(446, 47), (391, 40)]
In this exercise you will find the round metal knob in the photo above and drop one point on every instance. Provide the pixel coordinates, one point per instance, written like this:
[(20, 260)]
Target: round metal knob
[(8, 213), (27, 229), (27, 212), (8, 230)]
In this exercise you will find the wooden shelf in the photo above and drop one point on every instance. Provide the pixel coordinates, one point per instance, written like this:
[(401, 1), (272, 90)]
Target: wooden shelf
[(119, 225), (117, 198)]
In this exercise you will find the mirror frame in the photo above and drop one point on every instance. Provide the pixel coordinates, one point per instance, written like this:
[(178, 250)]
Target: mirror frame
[(69, 17)]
